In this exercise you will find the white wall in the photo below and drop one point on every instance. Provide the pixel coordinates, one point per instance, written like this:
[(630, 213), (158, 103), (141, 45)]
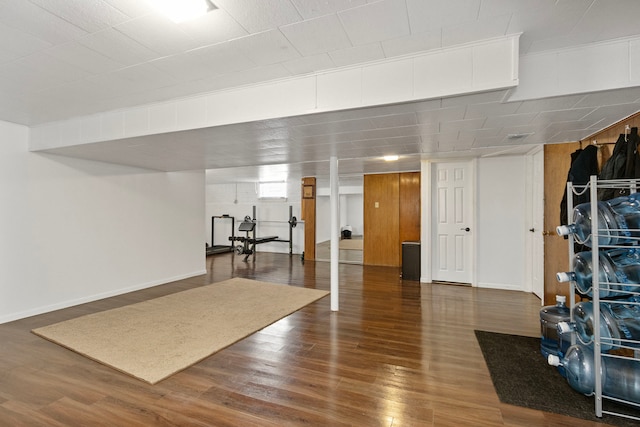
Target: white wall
[(501, 227), (75, 231), (271, 215)]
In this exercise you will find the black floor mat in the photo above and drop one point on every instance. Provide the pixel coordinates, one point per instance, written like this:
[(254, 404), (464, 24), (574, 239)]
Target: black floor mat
[(522, 377)]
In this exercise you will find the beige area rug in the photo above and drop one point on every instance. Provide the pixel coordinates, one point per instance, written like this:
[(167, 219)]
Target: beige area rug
[(154, 339)]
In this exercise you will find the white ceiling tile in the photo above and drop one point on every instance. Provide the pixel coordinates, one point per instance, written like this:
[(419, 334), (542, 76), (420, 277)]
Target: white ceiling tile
[(269, 47), (144, 77), (158, 34), (309, 64), (256, 16), (476, 98), (119, 47), (29, 18), (561, 115), (614, 112), (222, 58), (30, 77), (412, 43), (90, 15), (214, 27), (441, 115), (549, 104), (429, 16), (183, 67), (622, 12), (612, 97), (465, 32), (84, 58), (407, 119), (314, 8), (304, 35), (15, 44), (376, 22), (244, 77), (491, 109), (132, 9), (458, 125), (358, 54), (509, 120)]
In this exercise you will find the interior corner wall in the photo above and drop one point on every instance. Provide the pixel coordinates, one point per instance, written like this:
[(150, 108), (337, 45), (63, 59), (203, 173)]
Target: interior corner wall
[(501, 223), (75, 231)]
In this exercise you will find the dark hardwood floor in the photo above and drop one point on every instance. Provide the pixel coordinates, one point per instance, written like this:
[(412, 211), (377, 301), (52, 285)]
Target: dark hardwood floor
[(396, 354)]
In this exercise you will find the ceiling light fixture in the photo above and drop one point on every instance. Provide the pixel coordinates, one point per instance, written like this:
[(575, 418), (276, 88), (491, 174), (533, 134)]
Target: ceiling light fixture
[(392, 158), (182, 10)]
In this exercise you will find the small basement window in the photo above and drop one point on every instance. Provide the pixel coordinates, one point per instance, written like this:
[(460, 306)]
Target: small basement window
[(272, 190)]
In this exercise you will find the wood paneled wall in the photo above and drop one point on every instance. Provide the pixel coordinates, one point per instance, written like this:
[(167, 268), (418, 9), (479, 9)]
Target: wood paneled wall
[(381, 220), (308, 214), (409, 207), (557, 161), (391, 216)]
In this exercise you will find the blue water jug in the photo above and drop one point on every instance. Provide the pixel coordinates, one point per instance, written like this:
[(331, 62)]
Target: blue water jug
[(618, 221), (618, 322), (620, 377), (618, 271), (550, 317)]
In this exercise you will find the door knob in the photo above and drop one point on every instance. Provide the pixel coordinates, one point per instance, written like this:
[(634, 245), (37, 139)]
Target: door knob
[(465, 229)]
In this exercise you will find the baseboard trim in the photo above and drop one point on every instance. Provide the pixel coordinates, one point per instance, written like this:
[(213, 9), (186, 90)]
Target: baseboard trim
[(95, 297)]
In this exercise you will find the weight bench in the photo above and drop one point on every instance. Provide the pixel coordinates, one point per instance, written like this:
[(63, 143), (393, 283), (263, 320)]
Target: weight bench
[(247, 247)]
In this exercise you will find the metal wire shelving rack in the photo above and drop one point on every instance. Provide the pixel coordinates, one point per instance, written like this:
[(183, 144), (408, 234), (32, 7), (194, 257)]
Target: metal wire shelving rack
[(631, 348)]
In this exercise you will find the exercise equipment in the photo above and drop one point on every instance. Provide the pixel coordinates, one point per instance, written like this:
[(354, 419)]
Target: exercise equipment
[(218, 249), (249, 241)]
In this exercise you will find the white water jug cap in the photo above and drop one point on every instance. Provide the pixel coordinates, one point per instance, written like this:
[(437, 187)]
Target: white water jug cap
[(562, 278), (553, 360), (561, 298), (563, 230), (563, 328)]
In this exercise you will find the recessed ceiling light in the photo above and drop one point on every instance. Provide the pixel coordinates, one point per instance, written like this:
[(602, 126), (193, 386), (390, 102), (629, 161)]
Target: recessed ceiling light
[(182, 10), (392, 158)]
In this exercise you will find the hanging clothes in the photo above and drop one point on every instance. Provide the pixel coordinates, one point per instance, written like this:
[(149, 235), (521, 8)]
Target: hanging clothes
[(584, 164), (624, 163)]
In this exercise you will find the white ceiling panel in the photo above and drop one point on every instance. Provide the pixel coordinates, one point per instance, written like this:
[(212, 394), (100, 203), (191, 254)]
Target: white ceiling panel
[(222, 59), (32, 19), (119, 47), (269, 47), (428, 16), (61, 59), (90, 15), (153, 32), (314, 8), (458, 33), (213, 28), (15, 44), (358, 54), (80, 56), (375, 22), (260, 15), (412, 43), (304, 35), (309, 64)]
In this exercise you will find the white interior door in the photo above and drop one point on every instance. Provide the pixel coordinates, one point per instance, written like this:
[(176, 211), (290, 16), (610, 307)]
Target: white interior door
[(537, 226), (452, 220)]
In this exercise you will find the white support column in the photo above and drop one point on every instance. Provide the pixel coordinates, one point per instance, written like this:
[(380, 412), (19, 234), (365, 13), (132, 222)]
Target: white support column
[(335, 231)]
